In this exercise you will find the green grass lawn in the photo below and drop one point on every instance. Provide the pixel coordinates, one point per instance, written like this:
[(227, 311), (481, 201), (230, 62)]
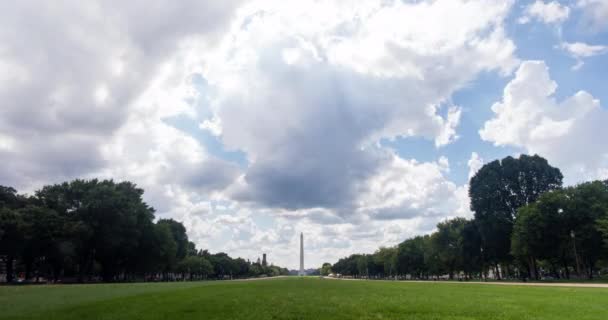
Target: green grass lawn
[(301, 298)]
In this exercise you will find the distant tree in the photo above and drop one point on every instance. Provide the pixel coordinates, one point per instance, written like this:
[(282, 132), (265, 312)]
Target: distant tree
[(223, 265), (241, 267), (12, 238), (541, 232), (167, 249), (206, 268), (178, 232), (92, 229), (349, 265), (9, 198), (191, 249), (363, 264), (410, 257), (498, 190), (587, 205), (255, 270), (449, 244), (386, 260), (43, 232), (325, 269), (194, 267), (434, 265), (472, 258)]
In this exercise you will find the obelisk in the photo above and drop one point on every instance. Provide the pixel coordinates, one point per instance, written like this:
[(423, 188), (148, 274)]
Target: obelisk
[(301, 273)]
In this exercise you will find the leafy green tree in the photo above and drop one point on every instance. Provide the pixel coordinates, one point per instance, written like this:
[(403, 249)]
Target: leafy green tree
[(223, 265), (410, 257), (167, 249), (386, 259), (192, 267), (348, 266), (206, 268), (101, 228), (449, 243), (255, 269), (42, 238), (602, 226), (587, 205), (499, 189), (12, 238), (432, 260), (541, 231), (178, 232), (241, 267), (9, 198), (363, 265), (472, 259), (325, 269)]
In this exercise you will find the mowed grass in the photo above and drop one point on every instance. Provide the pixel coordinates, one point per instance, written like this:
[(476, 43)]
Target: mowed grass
[(301, 298)]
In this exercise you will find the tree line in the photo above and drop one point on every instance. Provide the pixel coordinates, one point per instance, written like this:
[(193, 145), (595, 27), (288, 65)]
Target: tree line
[(92, 230), (526, 225)]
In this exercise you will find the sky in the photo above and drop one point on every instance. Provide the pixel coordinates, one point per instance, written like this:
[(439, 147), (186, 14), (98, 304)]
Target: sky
[(357, 123)]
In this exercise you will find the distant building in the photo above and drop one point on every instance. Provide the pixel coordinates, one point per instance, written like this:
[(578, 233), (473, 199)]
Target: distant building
[(264, 263), (301, 272)]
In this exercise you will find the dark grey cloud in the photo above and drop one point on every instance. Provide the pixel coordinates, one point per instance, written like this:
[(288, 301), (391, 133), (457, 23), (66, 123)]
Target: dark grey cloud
[(211, 174)]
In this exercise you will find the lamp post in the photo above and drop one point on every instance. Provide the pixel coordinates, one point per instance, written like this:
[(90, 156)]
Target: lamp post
[(578, 268)]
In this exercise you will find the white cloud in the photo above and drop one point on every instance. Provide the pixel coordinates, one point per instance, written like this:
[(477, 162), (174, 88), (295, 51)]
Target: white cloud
[(213, 126), (7, 143), (580, 50), (86, 88), (70, 73), (595, 13), (406, 189), (307, 91), (570, 133), (547, 12), (475, 163)]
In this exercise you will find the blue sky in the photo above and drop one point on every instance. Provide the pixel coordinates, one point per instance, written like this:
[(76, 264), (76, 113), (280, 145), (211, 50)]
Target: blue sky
[(357, 123)]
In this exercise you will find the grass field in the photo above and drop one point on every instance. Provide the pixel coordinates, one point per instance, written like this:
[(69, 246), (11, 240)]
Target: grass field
[(301, 298)]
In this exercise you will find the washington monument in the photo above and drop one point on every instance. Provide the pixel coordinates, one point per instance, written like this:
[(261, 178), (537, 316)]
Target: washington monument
[(301, 272)]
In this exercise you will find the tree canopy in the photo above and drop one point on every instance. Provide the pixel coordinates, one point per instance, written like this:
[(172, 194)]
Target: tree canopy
[(525, 225), (499, 189), (101, 230)]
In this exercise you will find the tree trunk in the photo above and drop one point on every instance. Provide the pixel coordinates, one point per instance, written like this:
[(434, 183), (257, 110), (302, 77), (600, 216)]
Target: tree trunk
[(28, 269), (554, 271), (535, 266), (566, 271), (9, 269)]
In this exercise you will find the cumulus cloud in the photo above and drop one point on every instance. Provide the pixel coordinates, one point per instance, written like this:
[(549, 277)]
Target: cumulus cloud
[(475, 163), (570, 133), (547, 12), (86, 89), (70, 72), (580, 50), (408, 189), (307, 91)]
